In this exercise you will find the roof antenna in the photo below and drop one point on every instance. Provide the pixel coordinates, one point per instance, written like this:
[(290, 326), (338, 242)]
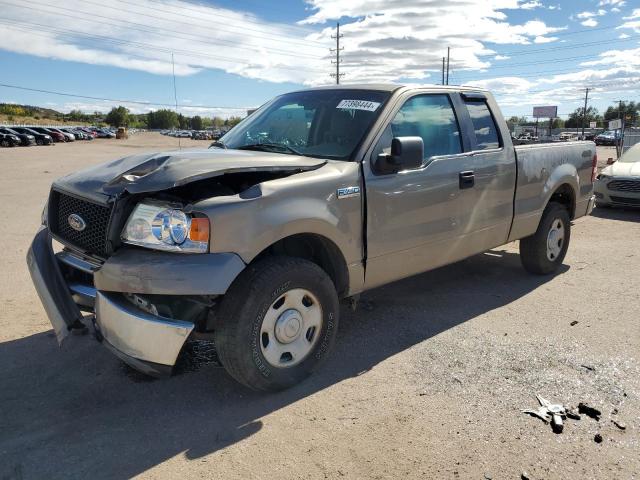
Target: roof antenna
[(175, 95)]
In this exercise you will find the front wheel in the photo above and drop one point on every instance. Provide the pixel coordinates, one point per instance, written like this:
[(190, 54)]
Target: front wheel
[(543, 252), (277, 323)]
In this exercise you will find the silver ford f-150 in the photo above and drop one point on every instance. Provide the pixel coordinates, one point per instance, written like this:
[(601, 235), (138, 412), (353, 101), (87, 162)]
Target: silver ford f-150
[(315, 197)]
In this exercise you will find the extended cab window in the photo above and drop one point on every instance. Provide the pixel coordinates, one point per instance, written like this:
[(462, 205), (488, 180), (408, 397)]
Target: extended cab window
[(483, 124), (430, 117)]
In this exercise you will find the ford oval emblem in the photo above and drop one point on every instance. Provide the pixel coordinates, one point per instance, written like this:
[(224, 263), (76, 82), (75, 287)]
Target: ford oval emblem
[(76, 222)]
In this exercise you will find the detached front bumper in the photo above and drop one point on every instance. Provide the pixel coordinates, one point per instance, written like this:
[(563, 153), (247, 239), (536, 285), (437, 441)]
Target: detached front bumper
[(149, 343)]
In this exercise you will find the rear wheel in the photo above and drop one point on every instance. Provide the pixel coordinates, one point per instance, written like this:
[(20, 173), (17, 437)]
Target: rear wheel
[(543, 252), (5, 143), (278, 322)]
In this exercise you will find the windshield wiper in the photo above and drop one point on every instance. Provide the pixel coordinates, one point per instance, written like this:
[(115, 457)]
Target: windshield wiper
[(269, 147), (218, 144)]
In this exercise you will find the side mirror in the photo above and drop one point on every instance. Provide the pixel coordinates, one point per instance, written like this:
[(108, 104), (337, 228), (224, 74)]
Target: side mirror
[(406, 153)]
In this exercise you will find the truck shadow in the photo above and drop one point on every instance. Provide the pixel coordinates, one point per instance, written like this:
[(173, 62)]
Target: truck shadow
[(627, 214), (73, 412)]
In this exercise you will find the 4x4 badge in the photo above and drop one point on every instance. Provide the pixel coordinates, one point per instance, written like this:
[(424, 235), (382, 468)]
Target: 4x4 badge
[(76, 222)]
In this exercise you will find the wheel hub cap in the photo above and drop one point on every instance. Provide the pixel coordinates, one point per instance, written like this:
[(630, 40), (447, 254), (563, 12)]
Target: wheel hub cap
[(555, 239), (288, 326), (291, 328)]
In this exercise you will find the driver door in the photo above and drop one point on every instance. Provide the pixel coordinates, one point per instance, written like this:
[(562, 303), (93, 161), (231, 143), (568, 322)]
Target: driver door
[(414, 219)]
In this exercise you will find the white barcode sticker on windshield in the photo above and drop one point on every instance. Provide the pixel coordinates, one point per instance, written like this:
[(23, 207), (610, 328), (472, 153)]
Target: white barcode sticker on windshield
[(358, 105)]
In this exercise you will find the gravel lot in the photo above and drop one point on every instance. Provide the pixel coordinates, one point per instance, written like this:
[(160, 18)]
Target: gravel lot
[(428, 378)]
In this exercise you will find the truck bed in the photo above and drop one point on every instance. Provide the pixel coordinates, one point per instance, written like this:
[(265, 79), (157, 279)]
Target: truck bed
[(543, 168)]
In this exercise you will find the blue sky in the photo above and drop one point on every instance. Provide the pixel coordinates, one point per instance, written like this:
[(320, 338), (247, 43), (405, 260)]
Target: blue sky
[(230, 55)]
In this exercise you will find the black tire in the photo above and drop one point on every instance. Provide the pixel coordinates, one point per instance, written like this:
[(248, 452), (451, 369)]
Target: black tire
[(533, 249), (5, 143), (40, 141), (238, 334)]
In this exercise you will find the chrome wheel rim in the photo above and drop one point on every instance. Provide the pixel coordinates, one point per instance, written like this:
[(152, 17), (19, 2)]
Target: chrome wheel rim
[(290, 328), (555, 239)]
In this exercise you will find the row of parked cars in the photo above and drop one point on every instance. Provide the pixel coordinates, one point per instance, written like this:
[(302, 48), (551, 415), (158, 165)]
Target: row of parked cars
[(24, 136), (194, 134)]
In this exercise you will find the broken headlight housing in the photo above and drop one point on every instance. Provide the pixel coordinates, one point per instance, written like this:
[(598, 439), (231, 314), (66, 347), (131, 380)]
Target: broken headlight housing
[(161, 226)]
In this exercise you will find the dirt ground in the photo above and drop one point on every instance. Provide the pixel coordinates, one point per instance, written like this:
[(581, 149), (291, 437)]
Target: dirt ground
[(427, 380)]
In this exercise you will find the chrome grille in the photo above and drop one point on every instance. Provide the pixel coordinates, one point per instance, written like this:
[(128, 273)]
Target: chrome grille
[(624, 185), (96, 217)]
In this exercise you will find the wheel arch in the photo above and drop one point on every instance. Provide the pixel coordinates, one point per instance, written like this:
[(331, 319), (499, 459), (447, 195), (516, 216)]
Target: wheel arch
[(317, 249), (565, 195)]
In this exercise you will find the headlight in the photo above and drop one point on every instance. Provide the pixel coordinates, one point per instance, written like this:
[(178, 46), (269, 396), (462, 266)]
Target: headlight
[(44, 218), (163, 227)]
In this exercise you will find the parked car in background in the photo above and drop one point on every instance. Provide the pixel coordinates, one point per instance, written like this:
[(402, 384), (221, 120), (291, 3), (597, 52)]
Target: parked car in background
[(78, 134), (568, 136), (9, 140), (608, 138), (619, 184), (105, 133), (88, 131), (57, 136), (41, 138), (25, 139), (70, 137)]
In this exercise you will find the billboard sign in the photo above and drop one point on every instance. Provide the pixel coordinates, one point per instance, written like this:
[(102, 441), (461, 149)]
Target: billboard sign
[(545, 112), (615, 124), (593, 124)]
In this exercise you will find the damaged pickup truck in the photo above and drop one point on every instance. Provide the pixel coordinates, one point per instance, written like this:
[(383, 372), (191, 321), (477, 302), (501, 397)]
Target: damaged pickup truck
[(318, 196)]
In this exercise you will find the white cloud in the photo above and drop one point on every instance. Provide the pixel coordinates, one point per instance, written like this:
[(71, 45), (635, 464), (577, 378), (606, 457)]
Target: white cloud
[(531, 5), (544, 39), (501, 57), (623, 36), (619, 3), (590, 23), (142, 35)]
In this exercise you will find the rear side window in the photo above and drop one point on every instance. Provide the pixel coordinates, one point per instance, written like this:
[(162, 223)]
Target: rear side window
[(483, 124)]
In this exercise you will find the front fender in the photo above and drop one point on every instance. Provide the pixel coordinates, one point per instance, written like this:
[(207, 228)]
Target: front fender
[(302, 203)]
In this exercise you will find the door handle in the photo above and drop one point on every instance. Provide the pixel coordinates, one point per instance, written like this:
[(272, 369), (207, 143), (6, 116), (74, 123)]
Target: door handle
[(467, 179)]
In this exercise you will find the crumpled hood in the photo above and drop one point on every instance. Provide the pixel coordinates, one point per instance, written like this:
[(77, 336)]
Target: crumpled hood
[(161, 171), (623, 169)]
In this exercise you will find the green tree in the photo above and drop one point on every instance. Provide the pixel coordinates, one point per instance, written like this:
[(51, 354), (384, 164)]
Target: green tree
[(576, 119), (118, 117), (630, 111), (162, 119), (197, 123)]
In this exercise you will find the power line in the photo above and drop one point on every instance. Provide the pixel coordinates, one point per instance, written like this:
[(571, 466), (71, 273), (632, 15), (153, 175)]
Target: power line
[(243, 30), (187, 53), (116, 100), (567, 47), (535, 75), (217, 14), (153, 30)]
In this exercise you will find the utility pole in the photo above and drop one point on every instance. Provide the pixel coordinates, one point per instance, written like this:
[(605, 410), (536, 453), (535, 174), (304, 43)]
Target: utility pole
[(448, 52), (584, 111), (443, 60), (621, 118), (337, 61)]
